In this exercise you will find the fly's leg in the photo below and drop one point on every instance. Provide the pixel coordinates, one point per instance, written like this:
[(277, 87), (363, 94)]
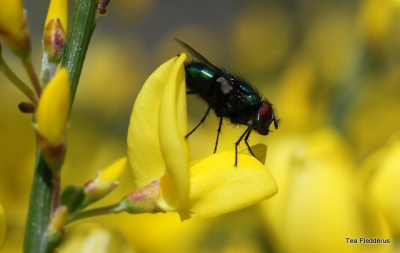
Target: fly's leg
[(218, 132), (247, 144), (201, 121), (246, 133)]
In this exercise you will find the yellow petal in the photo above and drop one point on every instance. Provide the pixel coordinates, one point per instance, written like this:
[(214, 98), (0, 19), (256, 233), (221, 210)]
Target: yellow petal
[(172, 129), (383, 184), (375, 19), (58, 9), (91, 237), (113, 172), (53, 108), (218, 187), (144, 149), (317, 206), (2, 225), (11, 15)]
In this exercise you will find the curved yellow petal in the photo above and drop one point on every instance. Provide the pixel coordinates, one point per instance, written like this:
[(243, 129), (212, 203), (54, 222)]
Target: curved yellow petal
[(113, 172), (2, 225), (144, 148), (218, 187), (58, 9), (53, 108), (172, 129)]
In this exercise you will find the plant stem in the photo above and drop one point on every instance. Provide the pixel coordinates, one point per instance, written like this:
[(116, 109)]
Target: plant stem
[(16, 81), (116, 208), (78, 41), (43, 186), (28, 65), (40, 206), (56, 185)]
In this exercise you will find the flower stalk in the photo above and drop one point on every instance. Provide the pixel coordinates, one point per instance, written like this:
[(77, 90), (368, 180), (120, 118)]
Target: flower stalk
[(14, 79), (29, 68), (43, 188), (143, 200)]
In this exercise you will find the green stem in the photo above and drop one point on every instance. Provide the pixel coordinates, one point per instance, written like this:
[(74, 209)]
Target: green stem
[(43, 188), (28, 65), (116, 208), (78, 41), (16, 81), (40, 206), (57, 186)]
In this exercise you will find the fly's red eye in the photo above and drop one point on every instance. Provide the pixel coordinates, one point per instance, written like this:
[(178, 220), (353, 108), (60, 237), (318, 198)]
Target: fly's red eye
[(265, 113)]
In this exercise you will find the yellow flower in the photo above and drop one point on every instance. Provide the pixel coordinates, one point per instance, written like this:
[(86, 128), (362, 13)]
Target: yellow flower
[(58, 9), (13, 27), (53, 108), (375, 19), (157, 150), (90, 237), (318, 205), (105, 182), (381, 177), (2, 225)]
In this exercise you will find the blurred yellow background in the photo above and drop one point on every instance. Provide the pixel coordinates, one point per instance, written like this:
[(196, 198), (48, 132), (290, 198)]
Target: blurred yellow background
[(331, 68)]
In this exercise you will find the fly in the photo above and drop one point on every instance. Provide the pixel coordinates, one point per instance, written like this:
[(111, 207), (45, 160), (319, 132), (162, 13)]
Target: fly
[(229, 96)]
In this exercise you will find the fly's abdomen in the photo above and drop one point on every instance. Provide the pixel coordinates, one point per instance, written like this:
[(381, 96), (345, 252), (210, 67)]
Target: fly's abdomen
[(201, 80)]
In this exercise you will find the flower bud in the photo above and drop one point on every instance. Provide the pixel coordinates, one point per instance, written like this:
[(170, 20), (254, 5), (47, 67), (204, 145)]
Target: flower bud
[(52, 118), (55, 230), (58, 9), (143, 200), (54, 40), (58, 219), (55, 30), (104, 182), (13, 27), (26, 107)]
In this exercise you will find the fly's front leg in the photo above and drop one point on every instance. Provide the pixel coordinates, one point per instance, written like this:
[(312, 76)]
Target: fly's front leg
[(247, 144), (201, 121), (245, 135), (219, 131)]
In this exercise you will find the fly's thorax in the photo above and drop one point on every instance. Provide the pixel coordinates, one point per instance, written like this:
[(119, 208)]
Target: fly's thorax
[(225, 85)]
